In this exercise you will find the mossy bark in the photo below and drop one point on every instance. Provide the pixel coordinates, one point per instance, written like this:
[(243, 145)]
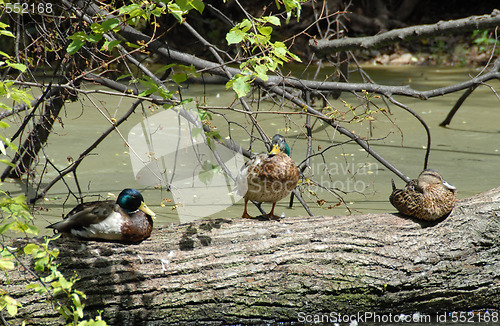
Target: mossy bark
[(243, 271)]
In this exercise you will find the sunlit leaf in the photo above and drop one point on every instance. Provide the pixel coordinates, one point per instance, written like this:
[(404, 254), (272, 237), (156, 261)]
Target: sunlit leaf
[(75, 46), (6, 33), (272, 20), (28, 249), (18, 66), (133, 45), (261, 72), (111, 24), (133, 10), (265, 30), (240, 84), (4, 161), (78, 36), (176, 11), (6, 263), (234, 36), (109, 46), (94, 38), (96, 28)]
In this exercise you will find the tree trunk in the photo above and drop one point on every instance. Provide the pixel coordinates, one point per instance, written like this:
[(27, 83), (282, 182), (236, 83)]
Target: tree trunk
[(244, 271)]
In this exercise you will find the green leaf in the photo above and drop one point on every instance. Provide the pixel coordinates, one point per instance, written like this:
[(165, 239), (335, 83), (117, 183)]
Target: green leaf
[(94, 38), (133, 10), (179, 77), (176, 11), (33, 286), (165, 67), (245, 25), (148, 91), (261, 72), (78, 36), (6, 226), (208, 173), (265, 30), (195, 132), (10, 303), (74, 46), (41, 263), (272, 20), (77, 304), (109, 46), (4, 54), (111, 24), (19, 95), (28, 249), (5, 107), (240, 84), (198, 5), (4, 161), (234, 36), (165, 93), (64, 283), (6, 263), (18, 66), (96, 28), (133, 45), (7, 33)]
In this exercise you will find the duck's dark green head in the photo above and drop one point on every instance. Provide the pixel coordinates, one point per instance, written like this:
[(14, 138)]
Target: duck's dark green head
[(280, 145), (131, 200)]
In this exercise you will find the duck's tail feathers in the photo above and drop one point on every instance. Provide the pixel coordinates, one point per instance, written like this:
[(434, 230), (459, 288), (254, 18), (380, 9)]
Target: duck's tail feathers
[(61, 226), (393, 185)]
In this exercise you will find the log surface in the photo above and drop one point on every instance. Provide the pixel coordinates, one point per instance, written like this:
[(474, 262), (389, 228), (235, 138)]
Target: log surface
[(249, 271)]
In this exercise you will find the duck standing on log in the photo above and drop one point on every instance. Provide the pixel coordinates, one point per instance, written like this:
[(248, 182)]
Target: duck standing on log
[(268, 177), (128, 220), (427, 198)]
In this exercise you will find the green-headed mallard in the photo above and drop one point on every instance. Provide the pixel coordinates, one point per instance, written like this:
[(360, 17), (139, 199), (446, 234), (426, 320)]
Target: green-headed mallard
[(127, 220), (268, 177), (427, 198)]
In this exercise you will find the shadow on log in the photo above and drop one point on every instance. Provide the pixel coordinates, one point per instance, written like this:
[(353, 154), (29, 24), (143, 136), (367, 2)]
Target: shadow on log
[(248, 271)]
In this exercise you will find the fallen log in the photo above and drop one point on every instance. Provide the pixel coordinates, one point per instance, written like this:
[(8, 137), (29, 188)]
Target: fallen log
[(227, 271)]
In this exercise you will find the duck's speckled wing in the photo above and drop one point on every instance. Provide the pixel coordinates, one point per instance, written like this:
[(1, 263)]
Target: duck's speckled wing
[(85, 214), (407, 200), (272, 179)]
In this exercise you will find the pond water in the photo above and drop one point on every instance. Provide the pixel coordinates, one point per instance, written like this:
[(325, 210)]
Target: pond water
[(466, 153)]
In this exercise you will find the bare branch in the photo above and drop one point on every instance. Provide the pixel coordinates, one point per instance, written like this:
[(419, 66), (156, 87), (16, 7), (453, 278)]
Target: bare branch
[(323, 47)]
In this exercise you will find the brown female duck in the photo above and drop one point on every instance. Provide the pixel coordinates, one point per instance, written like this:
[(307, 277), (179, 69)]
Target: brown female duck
[(268, 177), (427, 198)]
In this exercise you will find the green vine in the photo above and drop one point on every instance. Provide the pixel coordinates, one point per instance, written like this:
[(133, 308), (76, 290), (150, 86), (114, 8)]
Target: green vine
[(16, 218)]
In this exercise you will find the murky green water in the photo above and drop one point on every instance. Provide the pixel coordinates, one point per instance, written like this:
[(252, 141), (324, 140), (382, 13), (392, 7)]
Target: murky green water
[(466, 153)]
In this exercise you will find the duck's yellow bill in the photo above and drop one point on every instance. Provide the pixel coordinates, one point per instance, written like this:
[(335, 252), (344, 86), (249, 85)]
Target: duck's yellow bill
[(147, 210), (275, 150)]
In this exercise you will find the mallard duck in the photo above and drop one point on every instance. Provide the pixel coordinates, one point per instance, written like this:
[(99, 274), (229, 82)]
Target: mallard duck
[(427, 198), (268, 177), (127, 220)]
